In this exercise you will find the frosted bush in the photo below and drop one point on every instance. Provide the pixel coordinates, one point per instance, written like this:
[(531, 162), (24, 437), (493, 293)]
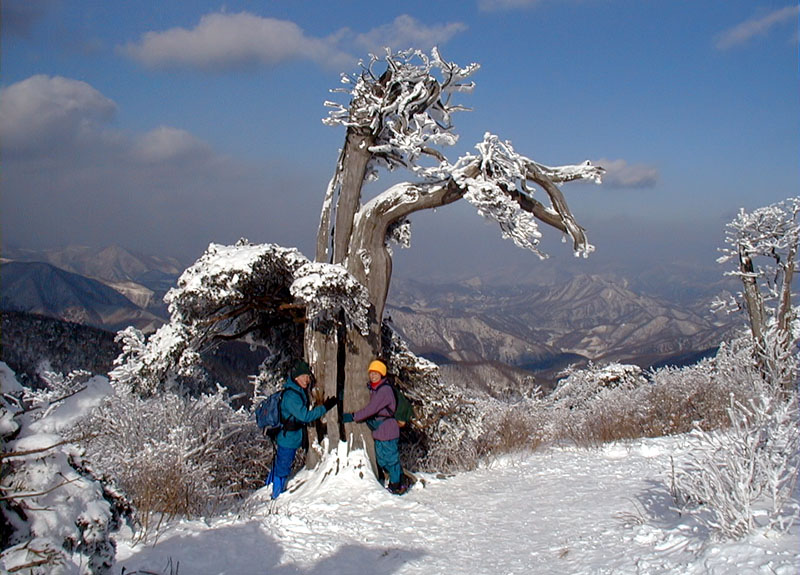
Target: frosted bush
[(744, 477), (678, 400), (511, 427), (595, 404), (57, 387), (175, 455)]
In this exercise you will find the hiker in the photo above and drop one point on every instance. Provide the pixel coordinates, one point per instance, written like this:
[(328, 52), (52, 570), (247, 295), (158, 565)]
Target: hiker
[(379, 417), (295, 415)]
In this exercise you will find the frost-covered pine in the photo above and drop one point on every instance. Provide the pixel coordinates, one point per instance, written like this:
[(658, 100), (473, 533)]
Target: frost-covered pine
[(399, 116), (57, 516), (326, 290), (251, 292)]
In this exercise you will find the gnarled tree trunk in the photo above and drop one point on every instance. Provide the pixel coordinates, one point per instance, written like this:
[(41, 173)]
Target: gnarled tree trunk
[(396, 119)]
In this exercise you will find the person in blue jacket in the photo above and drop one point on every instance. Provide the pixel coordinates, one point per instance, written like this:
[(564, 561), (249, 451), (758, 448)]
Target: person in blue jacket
[(295, 415)]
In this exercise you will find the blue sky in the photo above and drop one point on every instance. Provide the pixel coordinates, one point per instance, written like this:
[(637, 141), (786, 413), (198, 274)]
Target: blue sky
[(163, 126)]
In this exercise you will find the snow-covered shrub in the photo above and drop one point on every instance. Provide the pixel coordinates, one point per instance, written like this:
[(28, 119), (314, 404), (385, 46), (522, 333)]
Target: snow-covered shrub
[(743, 478), (593, 405), (175, 455), (57, 515), (510, 427), (230, 292), (606, 403), (678, 400)]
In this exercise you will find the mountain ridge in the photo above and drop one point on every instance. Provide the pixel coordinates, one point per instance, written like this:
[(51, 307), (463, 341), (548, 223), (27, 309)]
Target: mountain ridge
[(533, 329), (44, 289)]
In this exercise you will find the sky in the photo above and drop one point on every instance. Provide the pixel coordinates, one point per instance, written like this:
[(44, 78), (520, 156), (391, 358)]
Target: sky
[(164, 126)]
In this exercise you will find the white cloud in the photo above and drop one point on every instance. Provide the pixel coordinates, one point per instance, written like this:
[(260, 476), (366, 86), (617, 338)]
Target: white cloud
[(166, 144), (621, 175), (406, 32), (46, 111), (756, 27), (221, 41)]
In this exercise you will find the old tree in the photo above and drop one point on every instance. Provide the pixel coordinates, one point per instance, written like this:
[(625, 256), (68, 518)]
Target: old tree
[(398, 116)]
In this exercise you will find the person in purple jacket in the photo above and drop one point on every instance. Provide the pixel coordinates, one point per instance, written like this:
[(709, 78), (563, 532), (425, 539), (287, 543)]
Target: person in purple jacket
[(379, 417)]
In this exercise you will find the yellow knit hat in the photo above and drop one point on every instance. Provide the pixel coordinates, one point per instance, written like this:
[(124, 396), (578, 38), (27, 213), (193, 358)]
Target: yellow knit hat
[(378, 366)]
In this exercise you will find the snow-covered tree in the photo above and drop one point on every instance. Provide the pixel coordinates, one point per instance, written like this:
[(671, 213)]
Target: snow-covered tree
[(398, 115), (57, 516), (764, 243)]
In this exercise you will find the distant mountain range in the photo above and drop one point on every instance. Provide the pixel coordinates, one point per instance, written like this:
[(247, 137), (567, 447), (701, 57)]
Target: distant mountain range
[(108, 288), (43, 289), (542, 329), (499, 335)]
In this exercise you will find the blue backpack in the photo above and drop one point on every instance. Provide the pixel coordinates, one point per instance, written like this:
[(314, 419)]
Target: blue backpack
[(268, 412), (268, 415)]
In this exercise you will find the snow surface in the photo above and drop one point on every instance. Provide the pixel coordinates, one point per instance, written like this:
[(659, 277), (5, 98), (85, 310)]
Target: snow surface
[(559, 510)]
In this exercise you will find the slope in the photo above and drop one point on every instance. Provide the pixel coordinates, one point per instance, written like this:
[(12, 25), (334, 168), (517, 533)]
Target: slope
[(41, 288)]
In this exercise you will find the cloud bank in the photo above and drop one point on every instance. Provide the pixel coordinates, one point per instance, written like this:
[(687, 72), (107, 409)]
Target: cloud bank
[(222, 42), (43, 112), (70, 176)]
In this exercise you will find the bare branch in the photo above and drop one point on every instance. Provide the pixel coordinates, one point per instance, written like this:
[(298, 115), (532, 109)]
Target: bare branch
[(14, 454), (35, 494)]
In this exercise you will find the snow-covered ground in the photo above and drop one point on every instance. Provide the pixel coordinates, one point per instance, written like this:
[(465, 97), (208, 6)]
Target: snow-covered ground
[(560, 510)]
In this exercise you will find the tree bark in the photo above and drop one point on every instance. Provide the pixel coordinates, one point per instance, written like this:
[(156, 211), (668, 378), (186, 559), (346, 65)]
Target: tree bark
[(753, 300), (333, 246)]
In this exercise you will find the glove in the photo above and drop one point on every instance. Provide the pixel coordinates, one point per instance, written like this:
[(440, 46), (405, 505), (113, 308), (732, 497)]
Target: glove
[(329, 403), (347, 418)]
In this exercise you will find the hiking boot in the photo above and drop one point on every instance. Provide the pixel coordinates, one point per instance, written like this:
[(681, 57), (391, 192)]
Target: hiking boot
[(397, 488)]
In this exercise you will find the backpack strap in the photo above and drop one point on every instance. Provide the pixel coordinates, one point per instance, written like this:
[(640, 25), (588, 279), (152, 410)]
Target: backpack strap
[(290, 423)]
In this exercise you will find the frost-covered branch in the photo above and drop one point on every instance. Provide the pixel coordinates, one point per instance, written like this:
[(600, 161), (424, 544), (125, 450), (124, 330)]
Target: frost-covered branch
[(327, 289), (406, 108), (501, 191)]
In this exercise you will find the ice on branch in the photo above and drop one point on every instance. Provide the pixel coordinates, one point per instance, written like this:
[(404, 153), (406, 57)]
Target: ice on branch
[(400, 233), (327, 289), (770, 233), (562, 174), (405, 107)]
